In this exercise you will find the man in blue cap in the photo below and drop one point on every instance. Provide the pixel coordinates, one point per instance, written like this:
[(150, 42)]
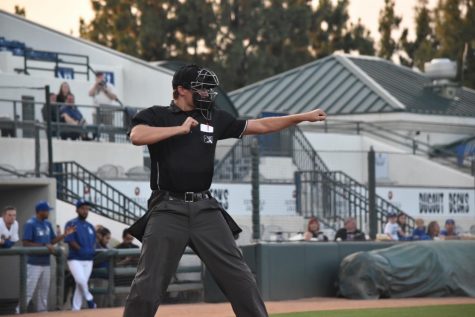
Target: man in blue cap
[(449, 232), (81, 254), (38, 232)]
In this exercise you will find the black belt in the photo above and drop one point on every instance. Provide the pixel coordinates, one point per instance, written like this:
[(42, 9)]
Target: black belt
[(188, 197)]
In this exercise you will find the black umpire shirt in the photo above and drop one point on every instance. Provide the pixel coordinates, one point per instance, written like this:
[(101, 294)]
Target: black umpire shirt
[(186, 162)]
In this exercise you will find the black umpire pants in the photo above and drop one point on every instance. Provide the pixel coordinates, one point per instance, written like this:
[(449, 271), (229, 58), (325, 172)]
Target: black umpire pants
[(172, 226)]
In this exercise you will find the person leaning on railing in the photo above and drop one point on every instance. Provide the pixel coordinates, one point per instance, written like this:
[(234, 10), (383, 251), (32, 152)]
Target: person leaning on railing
[(38, 232), (8, 227), (70, 114)]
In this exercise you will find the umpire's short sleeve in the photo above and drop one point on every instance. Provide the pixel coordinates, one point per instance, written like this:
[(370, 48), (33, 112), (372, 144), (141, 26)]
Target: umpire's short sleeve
[(149, 116), (232, 127)]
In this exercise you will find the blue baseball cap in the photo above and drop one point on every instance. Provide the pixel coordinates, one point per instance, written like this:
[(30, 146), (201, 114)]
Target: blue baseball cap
[(392, 214), (43, 205), (81, 202), (449, 222)]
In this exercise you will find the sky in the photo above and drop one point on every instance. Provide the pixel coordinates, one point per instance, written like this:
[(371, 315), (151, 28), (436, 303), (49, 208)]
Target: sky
[(63, 15)]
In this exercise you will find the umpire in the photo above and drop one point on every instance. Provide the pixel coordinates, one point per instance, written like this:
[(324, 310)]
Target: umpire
[(182, 140)]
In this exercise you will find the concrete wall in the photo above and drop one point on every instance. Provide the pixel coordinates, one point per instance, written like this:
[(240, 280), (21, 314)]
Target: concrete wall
[(20, 153), (348, 153), (286, 271), (138, 83)]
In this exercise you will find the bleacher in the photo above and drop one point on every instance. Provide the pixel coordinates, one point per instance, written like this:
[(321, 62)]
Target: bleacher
[(63, 65)]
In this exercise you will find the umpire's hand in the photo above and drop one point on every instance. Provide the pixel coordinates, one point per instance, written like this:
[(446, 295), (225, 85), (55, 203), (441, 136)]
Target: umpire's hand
[(188, 125)]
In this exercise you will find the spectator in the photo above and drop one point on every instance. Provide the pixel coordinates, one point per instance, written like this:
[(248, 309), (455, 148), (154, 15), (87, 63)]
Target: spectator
[(449, 232), (70, 114), (392, 229), (38, 232), (127, 243), (350, 232), (81, 254), (63, 93), (433, 230), (103, 237), (402, 222), (8, 227), (313, 231), (419, 232), (102, 92), (53, 109), (101, 261)]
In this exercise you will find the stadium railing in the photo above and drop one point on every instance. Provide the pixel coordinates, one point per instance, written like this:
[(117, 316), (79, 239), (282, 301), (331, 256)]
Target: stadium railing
[(114, 274), (111, 273), (103, 123), (23, 253)]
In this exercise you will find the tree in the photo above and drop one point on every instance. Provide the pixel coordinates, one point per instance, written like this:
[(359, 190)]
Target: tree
[(424, 47), (243, 40), (115, 25), (388, 21), (455, 31), (360, 39), (21, 11)]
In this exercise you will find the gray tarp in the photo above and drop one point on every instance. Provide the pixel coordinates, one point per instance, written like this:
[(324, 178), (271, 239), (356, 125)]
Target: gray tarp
[(412, 269)]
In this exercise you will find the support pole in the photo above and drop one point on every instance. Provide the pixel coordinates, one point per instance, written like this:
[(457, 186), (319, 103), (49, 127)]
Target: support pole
[(373, 218), (256, 222), (48, 132), (37, 150)]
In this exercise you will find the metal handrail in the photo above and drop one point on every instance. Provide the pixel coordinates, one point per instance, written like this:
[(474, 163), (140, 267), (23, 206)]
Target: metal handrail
[(330, 189), (58, 59), (23, 252), (109, 202), (416, 146), (118, 117), (316, 162), (111, 272)]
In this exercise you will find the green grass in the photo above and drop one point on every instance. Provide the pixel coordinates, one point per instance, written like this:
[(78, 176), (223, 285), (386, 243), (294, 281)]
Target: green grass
[(427, 311)]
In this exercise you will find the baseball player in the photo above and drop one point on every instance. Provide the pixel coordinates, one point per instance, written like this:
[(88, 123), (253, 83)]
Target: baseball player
[(182, 140), (38, 232), (81, 254), (8, 227)]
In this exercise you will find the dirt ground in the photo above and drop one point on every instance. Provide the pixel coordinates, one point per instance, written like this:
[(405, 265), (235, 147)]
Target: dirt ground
[(308, 304)]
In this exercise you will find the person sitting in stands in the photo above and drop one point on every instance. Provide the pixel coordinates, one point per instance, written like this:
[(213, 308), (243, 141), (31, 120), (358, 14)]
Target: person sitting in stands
[(419, 232), (70, 114), (63, 93), (313, 231), (433, 230), (54, 114), (392, 229), (350, 232), (449, 232), (402, 222)]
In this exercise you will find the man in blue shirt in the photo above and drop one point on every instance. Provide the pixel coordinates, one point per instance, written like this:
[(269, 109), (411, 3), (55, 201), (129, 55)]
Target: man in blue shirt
[(71, 115), (38, 232), (81, 253)]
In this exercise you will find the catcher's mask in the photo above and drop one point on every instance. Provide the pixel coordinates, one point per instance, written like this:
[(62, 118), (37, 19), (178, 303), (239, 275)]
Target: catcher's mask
[(204, 89), (201, 81)]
